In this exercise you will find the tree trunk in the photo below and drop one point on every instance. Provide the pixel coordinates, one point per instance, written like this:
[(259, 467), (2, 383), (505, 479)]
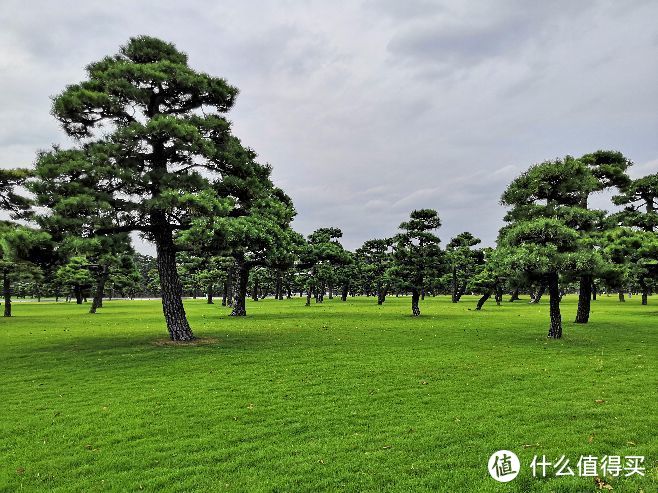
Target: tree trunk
[(415, 296), (422, 294), (455, 299), (555, 330), (645, 291), (77, 291), (594, 291), (498, 290), (344, 292), (278, 288), (381, 294), (460, 292), (584, 300), (622, 297), (97, 302), (254, 294), (515, 296), (6, 291), (210, 288), (331, 291), (309, 293), (239, 301), (229, 286), (540, 293), (483, 300), (225, 293), (171, 287)]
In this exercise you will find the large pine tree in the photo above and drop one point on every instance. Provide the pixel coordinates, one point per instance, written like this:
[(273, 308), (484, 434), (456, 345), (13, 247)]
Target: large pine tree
[(157, 147)]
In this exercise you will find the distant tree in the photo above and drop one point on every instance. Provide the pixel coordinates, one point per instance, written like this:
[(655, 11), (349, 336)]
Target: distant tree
[(317, 258), (636, 252), (544, 233), (489, 278), (11, 199), (417, 257), (259, 235), (463, 261), (609, 169), (640, 201), (375, 257), (74, 211), (76, 276), (22, 250)]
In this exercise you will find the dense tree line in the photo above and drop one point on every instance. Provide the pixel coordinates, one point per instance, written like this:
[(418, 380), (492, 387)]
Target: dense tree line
[(154, 154)]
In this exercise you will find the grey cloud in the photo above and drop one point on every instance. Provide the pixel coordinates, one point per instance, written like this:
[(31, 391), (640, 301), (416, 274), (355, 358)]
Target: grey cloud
[(460, 43), (368, 109)]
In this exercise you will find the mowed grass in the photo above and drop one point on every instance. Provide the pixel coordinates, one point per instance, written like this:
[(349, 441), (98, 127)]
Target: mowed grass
[(333, 397)]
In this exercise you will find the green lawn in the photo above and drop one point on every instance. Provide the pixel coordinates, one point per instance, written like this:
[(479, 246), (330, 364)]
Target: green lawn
[(333, 397)]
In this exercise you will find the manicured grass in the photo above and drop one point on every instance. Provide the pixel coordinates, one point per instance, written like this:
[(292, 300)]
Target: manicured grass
[(333, 397)]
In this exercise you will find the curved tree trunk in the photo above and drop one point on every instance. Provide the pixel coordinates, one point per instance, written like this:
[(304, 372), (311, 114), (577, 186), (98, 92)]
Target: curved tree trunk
[(6, 292), (515, 296), (97, 302), (210, 289), (584, 300), (171, 288), (498, 291), (455, 299), (555, 330), (415, 297), (483, 299), (460, 292), (239, 301)]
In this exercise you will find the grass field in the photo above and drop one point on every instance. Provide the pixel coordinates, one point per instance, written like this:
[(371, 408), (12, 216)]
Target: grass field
[(333, 397)]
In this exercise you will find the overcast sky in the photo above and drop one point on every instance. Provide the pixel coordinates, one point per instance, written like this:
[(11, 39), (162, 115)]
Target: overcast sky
[(369, 109)]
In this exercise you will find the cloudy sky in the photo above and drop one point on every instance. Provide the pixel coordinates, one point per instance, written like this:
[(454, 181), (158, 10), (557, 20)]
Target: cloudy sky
[(369, 109)]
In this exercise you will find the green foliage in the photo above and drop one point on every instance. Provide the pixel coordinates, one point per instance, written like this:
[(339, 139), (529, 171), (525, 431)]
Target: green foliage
[(559, 182), (75, 274), (373, 260), (640, 201), (417, 257), (10, 198)]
